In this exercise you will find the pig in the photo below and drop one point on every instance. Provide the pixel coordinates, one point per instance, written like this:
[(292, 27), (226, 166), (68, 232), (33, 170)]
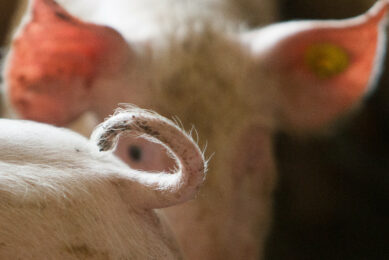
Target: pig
[(63, 196), (237, 85)]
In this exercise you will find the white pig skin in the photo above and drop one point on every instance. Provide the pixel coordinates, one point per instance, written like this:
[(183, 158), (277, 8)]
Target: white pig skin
[(65, 197)]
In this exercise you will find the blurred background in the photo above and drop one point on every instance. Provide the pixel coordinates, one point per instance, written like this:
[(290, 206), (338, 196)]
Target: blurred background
[(7, 10), (10, 13), (332, 200)]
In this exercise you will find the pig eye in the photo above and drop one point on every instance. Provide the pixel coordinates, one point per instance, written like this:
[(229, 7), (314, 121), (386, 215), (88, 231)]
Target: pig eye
[(141, 154), (135, 153)]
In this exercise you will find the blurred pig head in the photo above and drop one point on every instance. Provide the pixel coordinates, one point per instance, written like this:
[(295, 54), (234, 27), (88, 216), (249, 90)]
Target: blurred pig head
[(236, 86), (320, 69)]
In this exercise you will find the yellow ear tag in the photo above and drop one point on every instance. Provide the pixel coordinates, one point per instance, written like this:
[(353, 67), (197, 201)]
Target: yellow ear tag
[(326, 60)]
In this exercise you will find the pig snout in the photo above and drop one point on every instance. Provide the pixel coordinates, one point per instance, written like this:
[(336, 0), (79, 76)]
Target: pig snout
[(55, 61)]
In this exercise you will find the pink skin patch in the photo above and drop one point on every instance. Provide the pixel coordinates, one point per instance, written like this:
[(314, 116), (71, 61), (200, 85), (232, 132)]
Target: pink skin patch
[(55, 62)]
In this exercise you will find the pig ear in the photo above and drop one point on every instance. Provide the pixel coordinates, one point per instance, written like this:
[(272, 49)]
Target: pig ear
[(154, 190), (323, 68), (55, 61)]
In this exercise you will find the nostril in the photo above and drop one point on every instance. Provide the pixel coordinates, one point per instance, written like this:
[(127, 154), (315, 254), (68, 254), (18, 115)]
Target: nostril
[(21, 79), (21, 103)]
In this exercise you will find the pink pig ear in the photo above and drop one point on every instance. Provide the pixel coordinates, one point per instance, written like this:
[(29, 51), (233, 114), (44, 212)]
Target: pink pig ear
[(324, 68), (55, 62)]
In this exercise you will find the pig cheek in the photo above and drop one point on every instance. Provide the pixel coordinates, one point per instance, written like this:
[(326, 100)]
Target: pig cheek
[(148, 156), (48, 100), (254, 160)]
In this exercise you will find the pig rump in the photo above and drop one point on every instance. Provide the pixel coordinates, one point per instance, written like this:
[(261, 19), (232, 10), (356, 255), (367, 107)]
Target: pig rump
[(62, 196)]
